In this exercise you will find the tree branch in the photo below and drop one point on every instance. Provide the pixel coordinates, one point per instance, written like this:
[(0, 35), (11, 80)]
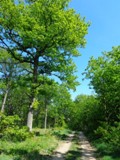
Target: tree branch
[(12, 52)]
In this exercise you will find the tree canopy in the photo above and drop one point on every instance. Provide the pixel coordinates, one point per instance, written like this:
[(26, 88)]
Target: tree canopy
[(43, 33)]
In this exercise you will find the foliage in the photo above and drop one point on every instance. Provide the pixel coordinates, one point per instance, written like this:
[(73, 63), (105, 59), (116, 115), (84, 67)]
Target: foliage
[(59, 109), (61, 132), (110, 136), (109, 158), (38, 40), (104, 74), (10, 128), (46, 36), (84, 115)]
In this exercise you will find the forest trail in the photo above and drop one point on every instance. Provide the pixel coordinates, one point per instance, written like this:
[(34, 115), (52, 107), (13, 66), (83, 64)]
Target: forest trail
[(86, 149), (63, 148)]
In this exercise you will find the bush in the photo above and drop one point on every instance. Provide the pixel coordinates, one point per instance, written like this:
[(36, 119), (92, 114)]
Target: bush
[(102, 147), (10, 128), (110, 135), (61, 132), (16, 134)]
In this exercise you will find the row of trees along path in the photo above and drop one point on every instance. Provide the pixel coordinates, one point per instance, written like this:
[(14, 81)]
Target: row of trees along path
[(86, 149)]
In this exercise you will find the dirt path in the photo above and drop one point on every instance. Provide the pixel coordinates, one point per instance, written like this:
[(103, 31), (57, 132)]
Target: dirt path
[(86, 149), (63, 148)]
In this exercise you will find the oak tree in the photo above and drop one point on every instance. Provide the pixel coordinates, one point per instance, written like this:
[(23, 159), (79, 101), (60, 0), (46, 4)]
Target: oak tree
[(45, 34)]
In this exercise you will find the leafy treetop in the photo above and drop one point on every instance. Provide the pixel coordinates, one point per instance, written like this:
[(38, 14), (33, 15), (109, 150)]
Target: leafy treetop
[(45, 34)]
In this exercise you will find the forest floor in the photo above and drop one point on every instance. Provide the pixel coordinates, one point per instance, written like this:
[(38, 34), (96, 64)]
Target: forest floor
[(85, 149)]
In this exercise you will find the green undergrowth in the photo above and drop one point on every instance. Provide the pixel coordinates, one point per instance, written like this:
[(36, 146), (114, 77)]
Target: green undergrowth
[(38, 147), (104, 151), (106, 140)]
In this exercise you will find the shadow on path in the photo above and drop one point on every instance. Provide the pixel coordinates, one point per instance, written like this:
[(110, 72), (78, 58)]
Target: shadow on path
[(86, 149)]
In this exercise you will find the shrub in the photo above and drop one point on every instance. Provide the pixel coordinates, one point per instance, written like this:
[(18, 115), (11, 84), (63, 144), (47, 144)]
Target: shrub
[(102, 148), (61, 132), (10, 128), (110, 136)]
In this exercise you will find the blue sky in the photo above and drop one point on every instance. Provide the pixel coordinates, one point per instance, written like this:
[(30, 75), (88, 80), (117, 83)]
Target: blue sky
[(103, 34)]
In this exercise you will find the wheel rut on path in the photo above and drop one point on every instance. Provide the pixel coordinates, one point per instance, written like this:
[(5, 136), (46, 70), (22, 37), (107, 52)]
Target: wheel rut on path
[(87, 151), (63, 148)]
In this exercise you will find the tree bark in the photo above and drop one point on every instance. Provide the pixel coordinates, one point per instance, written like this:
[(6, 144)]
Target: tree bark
[(30, 116), (31, 109), (4, 101)]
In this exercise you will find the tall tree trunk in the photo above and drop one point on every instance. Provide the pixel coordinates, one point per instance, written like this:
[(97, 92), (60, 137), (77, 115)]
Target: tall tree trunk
[(30, 116), (33, 95), (46, 114), (4, 101)]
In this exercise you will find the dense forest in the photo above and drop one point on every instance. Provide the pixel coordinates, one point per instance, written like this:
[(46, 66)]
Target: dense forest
[(38, 40)]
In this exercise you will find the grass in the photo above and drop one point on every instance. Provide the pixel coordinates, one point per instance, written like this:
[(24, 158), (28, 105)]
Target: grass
[(35, 148)]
